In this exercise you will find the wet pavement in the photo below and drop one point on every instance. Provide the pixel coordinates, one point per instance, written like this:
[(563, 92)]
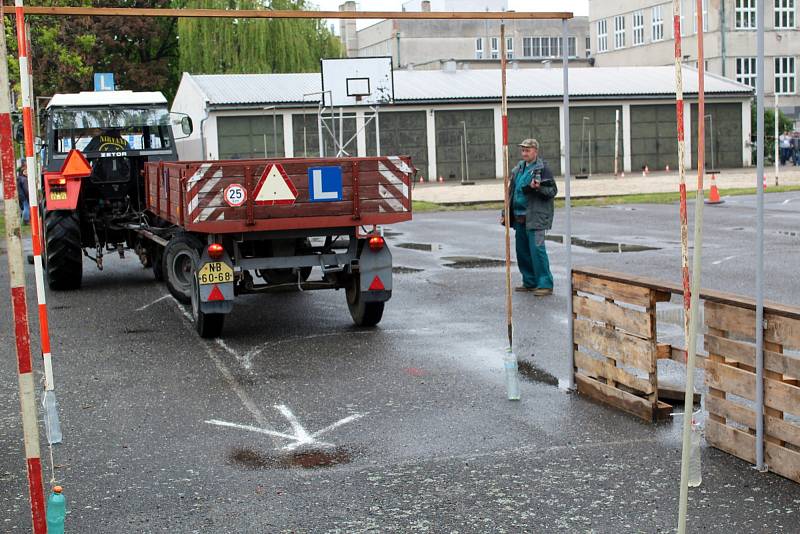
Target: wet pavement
[(296, 421)]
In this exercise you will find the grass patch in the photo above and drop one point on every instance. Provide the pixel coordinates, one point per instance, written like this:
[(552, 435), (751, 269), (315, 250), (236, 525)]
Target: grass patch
[(26, 230), (645, 198)]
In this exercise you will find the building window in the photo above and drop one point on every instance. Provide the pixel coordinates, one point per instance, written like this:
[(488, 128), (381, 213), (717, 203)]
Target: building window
[(658, 25), (745, 15), (602, 36), (495, 48), (705, 16), (619, 32), (588, 46), (479, 48), (509, 48), (638, 28), (572, 47), (784, 14), (784, 76), (746, 70)]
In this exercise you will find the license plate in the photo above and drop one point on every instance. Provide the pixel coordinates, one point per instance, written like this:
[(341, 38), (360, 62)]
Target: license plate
[(215, 272), (58, 196)]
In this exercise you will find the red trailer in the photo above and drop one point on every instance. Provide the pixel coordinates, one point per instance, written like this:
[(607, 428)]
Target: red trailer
[(217, 229)]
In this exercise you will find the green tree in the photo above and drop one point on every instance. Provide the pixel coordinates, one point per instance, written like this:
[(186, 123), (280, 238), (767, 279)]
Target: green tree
[(785, 124), (236, 46)]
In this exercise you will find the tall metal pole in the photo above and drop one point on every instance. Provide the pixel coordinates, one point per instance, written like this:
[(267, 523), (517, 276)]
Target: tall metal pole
[(760, 237), (616, 143), (691, 350), (506, 182), (27, 392), (568, 202), (777, 138)]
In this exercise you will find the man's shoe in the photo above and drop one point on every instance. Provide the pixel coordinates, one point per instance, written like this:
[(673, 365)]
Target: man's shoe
[(524, 289), (543, 291)]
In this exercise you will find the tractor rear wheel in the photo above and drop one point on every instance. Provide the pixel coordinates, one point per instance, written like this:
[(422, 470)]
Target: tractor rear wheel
[(63, 252), (180, 259)]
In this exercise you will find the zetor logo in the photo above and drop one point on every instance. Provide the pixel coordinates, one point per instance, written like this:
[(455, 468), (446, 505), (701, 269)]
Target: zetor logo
[(113, 154)]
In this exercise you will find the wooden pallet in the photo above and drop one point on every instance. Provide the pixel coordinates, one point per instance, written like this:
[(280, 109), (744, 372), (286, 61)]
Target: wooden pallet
[(615, 345), (731, 379)]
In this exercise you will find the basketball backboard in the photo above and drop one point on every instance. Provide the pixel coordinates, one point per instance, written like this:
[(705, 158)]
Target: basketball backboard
[(361, 81)]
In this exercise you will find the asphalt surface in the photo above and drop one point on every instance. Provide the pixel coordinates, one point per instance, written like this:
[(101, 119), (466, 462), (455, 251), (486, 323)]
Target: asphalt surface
[(410, 418)]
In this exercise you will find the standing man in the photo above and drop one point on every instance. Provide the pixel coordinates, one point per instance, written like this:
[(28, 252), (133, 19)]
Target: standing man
[(532, 191), (22, 195), (786, 147)]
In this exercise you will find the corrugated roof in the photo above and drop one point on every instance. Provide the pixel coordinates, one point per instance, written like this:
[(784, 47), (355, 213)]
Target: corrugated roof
[(106, 98), (421, 86)]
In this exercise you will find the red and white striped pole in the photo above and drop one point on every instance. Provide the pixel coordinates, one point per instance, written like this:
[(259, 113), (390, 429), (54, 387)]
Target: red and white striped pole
[(684, 219), (33, 194), (27, 393)]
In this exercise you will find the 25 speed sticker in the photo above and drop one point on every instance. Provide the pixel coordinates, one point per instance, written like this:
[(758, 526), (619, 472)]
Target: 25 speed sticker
[(235, 195)]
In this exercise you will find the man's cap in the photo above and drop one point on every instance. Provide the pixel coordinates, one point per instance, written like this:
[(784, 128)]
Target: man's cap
[(530, 143)]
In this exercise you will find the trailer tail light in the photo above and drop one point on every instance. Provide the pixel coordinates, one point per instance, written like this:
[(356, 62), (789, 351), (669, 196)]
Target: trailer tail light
[(57, 180), (215, 251), (376, 243)]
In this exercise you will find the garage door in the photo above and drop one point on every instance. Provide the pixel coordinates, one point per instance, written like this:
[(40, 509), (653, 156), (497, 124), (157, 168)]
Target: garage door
[(654, 140), (250, 137), (723, 135), (540, 124), (306, 138), (480, 143), (593, 127), (403, 133)]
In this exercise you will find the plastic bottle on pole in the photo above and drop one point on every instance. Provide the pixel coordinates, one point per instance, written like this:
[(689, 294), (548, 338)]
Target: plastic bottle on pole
[(51, 421), (695, 463), (56, 512), (512, 378)]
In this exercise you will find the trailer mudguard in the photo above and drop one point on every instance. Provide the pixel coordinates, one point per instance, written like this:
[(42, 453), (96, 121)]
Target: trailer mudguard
[(375, 273), (215, 282)]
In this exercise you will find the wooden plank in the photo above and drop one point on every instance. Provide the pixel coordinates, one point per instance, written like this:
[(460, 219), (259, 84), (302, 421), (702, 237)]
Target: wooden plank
[(782, 461), (614, 397), (678, 354), (675, 393), (632, 321), (783, 331), (728, 409), (731, 440), (600, 369), (712, 392), (782, 430), (777, 395), (616, 290), (624, 348), (731, 319)]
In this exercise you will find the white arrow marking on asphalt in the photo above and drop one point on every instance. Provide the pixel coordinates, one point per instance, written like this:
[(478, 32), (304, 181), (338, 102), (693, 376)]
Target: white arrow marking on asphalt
[(299, 436)]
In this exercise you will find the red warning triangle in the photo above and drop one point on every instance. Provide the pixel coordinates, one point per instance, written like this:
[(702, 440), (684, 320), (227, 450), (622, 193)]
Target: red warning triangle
[(215, 295), (377, 285), (275, 187), (75, 166)]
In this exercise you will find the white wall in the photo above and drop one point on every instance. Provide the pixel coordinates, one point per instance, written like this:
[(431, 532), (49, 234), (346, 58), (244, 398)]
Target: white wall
[(189, 100)]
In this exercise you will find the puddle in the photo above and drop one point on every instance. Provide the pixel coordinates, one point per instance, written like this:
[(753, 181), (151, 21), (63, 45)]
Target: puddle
[(788, 233), (406, 270), (603, 247), (530, 372), (389, 233), (471, 262), (127, 330), (424, 247), (306, 459)]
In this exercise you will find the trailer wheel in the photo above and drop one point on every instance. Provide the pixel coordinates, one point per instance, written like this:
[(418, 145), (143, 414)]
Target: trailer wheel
[(363, 313), (63, 254), (179, 260), (208, 325)]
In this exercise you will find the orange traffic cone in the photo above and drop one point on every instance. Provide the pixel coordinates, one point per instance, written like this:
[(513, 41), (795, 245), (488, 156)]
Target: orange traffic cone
[(646, 170), (441, 179), (765, 182), (421, 179), (667, 169), (713, 197)]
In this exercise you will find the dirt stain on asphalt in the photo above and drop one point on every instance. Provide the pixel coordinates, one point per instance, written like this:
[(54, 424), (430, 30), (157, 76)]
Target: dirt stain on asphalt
[(424, 247), (472, 262), (604, 247), (127, 330), (304, 459), (532, 373)]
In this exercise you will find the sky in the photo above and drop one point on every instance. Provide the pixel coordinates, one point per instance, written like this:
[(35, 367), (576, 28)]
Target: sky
[(578, 7)]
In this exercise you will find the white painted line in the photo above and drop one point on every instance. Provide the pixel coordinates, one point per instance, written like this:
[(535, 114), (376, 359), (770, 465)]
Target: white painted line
[(165, 297), (300, 433), (234, 353), (337, 424), (250, 428), (723, 260)]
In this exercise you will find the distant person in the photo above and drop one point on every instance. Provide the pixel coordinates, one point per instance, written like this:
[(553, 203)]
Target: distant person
[(22, 195), (532, 191), (785, 141)]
